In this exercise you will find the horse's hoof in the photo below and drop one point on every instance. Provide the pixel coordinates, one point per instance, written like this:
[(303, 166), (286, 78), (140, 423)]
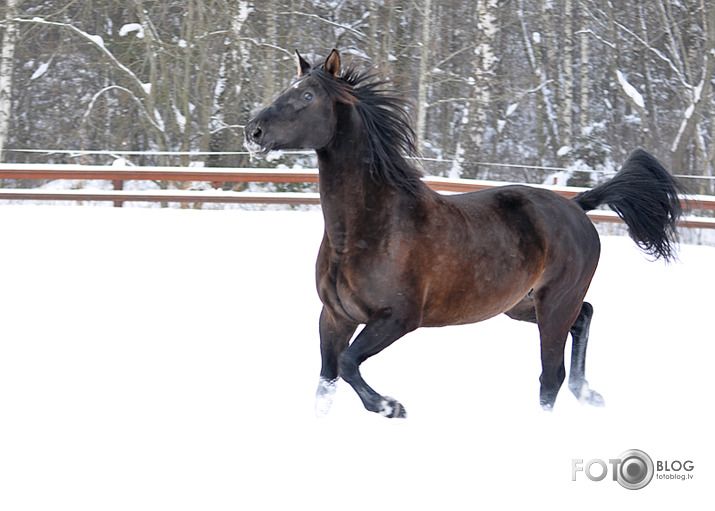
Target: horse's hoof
[(589, 397), (324, 396), (593, 398), (392, 409)]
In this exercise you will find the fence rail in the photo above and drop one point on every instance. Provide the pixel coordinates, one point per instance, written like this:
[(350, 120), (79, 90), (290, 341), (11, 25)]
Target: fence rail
[(218, 176)]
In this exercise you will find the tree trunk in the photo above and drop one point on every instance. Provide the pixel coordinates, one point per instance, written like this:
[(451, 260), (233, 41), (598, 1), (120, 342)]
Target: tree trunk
[(566, 111), (423, 78), (585, 85), (475, 116), (9, 38), (626, 90), (698, 96)]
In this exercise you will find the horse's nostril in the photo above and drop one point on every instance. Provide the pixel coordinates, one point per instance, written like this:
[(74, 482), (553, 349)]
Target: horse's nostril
[(256, 134)]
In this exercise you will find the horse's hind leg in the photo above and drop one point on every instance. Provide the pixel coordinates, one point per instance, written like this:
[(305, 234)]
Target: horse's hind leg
[(577, 376), (560, 310), (334, 338), (553, 367), (553, 341), (553, 330)]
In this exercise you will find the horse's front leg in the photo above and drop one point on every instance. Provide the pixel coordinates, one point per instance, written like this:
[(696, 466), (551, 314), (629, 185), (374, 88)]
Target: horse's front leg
[(335, 335), (384, 328)]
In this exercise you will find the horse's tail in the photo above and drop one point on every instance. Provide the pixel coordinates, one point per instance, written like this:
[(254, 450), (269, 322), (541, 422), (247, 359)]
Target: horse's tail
[(647, 198)]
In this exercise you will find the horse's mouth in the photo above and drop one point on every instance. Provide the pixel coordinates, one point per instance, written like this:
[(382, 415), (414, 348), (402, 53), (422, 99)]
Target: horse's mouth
[(255, 148)]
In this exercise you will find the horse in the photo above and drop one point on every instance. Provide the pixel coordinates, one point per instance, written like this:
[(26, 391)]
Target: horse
[(397, 256)]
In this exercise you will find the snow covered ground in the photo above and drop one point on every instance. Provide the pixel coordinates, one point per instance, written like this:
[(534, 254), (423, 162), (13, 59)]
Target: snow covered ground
[(167, 359)]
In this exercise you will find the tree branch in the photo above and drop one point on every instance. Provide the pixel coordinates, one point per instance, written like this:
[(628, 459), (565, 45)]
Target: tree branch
[(143, 109), (98, 43)]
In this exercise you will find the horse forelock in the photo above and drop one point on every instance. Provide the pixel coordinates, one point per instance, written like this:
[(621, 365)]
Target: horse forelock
[(336, 87)]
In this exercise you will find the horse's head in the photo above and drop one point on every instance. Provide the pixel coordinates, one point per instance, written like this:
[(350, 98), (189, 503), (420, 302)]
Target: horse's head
[(303, 116)]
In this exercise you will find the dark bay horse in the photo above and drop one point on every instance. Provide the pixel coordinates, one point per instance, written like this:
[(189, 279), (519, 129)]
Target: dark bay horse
[(397, 256)]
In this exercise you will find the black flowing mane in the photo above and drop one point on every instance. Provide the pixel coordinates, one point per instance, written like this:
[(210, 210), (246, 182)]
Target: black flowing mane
[(384, 114)]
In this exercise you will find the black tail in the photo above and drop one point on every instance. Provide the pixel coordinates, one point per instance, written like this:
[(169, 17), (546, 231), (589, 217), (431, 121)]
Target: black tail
[(647, 198)]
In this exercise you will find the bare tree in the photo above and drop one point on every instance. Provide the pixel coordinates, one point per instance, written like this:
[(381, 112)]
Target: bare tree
[(539, 82)]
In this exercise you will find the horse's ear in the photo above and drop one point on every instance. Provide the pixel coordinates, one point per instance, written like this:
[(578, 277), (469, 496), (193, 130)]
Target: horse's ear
[(303, 66), (332, 63)]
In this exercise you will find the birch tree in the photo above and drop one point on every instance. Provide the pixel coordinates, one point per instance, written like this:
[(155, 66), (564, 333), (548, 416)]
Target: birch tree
[(234, 99), (566, 110), (503, 82), (475, 117), (585, 80), (7, 54), (424, 67)]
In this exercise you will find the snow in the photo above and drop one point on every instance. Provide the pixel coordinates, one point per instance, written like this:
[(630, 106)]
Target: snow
[(132, 27), (564, 150), (560, 178), (168, 359), (180, 118), (96, 39), (157, 115), (41, 70), (121, 162), (629, 90)]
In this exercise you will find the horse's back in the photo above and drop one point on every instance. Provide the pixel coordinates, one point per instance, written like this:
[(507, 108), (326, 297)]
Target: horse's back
[(533, 211), (543, 221)]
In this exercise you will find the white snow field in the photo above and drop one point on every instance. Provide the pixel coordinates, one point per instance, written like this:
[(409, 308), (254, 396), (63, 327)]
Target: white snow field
[(163, 359)]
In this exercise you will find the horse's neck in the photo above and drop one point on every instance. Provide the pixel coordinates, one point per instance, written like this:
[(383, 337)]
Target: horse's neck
[(351, 199)]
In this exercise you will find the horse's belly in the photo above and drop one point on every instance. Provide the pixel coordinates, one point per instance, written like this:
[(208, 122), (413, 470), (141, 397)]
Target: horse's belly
[(468, 312), (475, 301), (443, 294)]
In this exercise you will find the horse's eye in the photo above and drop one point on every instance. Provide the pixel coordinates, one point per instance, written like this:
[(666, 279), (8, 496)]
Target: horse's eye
[(308, 96)]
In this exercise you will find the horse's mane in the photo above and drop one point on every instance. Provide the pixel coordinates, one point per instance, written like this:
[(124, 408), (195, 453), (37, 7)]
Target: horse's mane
[(392, 139)]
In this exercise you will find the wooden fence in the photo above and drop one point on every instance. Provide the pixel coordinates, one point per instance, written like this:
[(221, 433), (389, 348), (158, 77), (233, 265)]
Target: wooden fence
[(218, 176)]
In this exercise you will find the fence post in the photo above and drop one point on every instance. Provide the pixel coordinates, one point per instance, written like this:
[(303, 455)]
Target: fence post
[(118, 186)]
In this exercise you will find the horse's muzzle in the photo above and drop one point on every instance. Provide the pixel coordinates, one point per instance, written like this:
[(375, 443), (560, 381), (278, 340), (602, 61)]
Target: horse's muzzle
[(254, 138)]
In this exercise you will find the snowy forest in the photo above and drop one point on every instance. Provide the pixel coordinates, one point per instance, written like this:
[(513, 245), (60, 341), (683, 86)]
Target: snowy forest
[(501, 89)]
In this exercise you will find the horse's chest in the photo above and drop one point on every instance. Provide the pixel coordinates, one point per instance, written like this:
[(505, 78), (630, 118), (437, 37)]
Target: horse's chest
[(348, 287)]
